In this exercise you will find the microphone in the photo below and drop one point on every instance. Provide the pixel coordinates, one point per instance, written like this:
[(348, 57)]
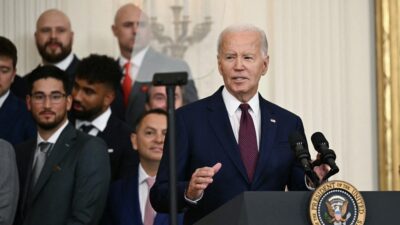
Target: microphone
[(299, 145), (328, 156)]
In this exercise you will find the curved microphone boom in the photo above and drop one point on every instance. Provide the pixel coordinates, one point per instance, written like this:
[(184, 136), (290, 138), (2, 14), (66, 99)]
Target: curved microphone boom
[(299, 145), (328, 156)]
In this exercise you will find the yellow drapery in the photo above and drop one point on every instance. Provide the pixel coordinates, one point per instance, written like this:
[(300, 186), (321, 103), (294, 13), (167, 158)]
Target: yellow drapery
[(388, 91)]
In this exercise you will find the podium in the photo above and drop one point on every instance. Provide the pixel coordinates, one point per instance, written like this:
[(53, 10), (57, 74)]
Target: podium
[(285, 208)]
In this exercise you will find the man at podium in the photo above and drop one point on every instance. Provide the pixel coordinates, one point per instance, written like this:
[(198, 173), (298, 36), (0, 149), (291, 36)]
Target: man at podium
[(234, 140)]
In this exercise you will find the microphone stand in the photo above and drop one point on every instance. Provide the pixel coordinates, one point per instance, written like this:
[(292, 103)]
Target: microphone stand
[(171, 80)]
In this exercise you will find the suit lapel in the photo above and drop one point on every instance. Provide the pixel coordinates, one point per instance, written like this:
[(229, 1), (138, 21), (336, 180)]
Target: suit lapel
[(60, 149), (268, 132), (219, 121), (130, 197)]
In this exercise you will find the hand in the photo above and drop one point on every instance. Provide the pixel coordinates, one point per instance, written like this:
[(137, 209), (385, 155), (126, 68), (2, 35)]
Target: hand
[(200, 180), (322, 169)]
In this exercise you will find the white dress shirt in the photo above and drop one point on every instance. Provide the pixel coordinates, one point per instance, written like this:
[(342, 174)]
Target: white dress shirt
[(99, 124), (232, 106), (3, 98), (136, 62), (52, 139), (63, 64)]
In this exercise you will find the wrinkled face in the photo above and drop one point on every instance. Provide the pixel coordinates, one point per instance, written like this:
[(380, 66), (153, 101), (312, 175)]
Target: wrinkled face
[(53, 36), (90, 99), (241, 63), (158, 98), (149, 137), (7, 74), (131, 28), (48, 103)]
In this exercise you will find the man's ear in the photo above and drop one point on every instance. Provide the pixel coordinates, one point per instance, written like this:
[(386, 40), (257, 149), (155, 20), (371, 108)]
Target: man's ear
[(134, 141)]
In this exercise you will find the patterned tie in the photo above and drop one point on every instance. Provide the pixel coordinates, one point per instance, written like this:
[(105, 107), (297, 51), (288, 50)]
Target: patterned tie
[(86, 128), (127, 83), (248, 141), (149, 212), (44, 148)]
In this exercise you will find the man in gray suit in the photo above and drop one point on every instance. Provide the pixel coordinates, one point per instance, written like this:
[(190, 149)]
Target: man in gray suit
[(64, 173), (8, 183), (139, 61)]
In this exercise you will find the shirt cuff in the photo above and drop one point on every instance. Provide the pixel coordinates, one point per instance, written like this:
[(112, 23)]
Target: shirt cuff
[(193, 202)]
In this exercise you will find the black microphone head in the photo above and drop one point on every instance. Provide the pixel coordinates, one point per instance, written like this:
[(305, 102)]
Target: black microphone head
[(318, 140), (297, 138), (299, 145)]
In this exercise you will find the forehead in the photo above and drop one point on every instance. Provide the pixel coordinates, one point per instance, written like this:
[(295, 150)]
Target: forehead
[(48, 85), (129, 13), (154, 120), (6, 61), (241, 41), (53, 19)]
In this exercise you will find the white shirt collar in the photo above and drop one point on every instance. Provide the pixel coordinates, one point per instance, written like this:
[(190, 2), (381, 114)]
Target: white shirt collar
[(99, 122), (232, 104), (63, 64), (3, 98), (54, 137), (142, 175), (136, 59)]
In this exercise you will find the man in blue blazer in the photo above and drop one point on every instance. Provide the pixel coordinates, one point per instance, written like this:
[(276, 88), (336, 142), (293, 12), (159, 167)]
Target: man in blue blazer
[(216, 159), (16, 122), (128, 197)]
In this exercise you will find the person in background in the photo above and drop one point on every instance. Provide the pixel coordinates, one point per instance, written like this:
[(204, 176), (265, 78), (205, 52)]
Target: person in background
[(128, 201), (64, 174), (156, 97), (16, 122), (140, 62), (9, 186), (96, 81), (54, 38)]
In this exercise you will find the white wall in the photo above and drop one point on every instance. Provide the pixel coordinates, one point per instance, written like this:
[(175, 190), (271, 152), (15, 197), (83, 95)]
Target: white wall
[(321, 54)]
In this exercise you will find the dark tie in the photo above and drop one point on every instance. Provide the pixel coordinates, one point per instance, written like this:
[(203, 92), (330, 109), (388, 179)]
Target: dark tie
[(248, 141), (44, 148), (149, 212), (86, 128)]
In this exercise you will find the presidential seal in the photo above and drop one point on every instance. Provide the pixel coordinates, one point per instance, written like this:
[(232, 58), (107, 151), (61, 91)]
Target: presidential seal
[(337, 203)]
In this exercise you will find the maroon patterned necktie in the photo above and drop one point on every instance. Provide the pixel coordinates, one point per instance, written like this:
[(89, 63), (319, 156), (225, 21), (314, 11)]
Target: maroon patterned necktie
[(248, 141)]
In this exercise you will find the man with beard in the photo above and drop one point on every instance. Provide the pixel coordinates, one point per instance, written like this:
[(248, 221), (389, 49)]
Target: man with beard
[(64, 173), (54, 38), (140, 62), (94, 88)]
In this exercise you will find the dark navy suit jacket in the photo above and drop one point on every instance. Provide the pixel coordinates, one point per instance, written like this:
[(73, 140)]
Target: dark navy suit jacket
[(205, 137), (16, 121), (123, 206), (123, 158)]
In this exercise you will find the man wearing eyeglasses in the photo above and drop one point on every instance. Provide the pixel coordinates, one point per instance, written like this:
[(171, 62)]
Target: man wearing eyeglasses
[(64, 173)]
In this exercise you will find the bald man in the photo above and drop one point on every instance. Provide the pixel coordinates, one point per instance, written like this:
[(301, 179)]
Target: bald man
[(132, 29), (54, 38)]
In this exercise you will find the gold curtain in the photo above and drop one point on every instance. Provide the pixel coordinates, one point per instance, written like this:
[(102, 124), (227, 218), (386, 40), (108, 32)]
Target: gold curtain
[(388, 96)]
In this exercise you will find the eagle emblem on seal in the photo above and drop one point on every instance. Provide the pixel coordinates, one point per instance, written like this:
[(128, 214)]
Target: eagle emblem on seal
[(337, 208)]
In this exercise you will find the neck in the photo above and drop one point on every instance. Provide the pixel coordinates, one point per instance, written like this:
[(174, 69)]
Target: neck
[(150, 167), (46, 133)]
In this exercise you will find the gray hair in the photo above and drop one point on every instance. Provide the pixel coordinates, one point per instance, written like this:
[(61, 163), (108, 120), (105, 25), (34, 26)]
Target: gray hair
[(243, 28)]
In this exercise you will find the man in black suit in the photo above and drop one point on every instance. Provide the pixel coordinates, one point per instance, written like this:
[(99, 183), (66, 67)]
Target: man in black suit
[(140, 62), (54, 38), (16, 122), (94, 89), (64, 173)]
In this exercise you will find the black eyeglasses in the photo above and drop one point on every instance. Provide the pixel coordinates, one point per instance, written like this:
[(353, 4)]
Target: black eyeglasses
[(55, 98)]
